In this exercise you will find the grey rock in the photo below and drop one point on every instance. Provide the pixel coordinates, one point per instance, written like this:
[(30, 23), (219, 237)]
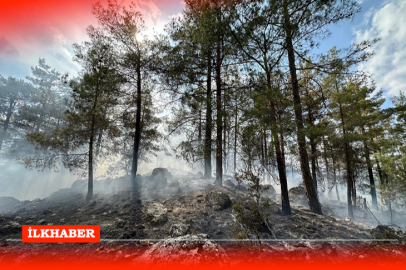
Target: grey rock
[(179, 230), (12, 228), (218, 200), (298, 194), (41, 222)]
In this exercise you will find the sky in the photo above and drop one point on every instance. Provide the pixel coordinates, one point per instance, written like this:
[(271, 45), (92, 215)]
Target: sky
[(33, 29)]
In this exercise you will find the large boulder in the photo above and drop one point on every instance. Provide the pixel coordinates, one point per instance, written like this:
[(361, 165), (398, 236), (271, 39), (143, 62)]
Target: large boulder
[(184, 250), (156, 214), (298, 194), (11, 228), (218, 200), (159, 178), (7, 203)]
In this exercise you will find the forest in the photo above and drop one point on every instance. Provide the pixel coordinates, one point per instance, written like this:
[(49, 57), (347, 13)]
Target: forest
[(237, 81)]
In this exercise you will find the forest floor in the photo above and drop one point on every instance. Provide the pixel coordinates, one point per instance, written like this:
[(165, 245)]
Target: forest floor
[(182, 208)]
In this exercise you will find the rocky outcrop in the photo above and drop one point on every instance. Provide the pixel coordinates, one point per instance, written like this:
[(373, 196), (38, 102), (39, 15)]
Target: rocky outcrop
[(184, 250), (218, 200)]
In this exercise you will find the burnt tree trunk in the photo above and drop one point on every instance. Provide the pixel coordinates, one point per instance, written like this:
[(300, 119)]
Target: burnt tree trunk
[(279, 156), (348, 168), (208, 129), (370, 173), (219, 122), (301, 139), (137, 135)]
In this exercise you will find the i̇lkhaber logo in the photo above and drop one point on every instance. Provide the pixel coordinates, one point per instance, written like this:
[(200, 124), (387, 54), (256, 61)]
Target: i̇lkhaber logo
[(61, 233)]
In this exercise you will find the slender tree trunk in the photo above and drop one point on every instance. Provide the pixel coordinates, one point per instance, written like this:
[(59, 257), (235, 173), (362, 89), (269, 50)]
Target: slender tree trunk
[(370, 174), (348, 167), (235, 136), (329, 186), (7, 122), (266, 158), (137, 137), (207, 139), (301, 139), (280, 160), (313, 148), (219, 122), (224, 138), (89, 195), (98, 144), (335, 178)]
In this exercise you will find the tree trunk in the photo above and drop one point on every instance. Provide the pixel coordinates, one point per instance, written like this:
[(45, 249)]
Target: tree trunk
[(370, 173), (235, 136), (219, 122), (98, 144), (329, 186), (207, 139), (335, 178), (137, 137), (301, 140), (348, 167), (224, 138), (280, 160), (7, 122), (313, 148), (89, 195)]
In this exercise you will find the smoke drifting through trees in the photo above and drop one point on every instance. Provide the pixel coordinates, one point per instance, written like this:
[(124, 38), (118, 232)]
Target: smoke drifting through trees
[(236, 79)]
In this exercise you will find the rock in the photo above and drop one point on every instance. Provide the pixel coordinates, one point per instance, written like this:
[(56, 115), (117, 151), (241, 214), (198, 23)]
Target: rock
[(298, 194), (388, 232), (185, 250), (159, 178), (46, 212), (41, 222), (7, 203), (218, 200), (161, 172), (347, 219), (179, 230), (156, 214), (12, 228), (229, 183)]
